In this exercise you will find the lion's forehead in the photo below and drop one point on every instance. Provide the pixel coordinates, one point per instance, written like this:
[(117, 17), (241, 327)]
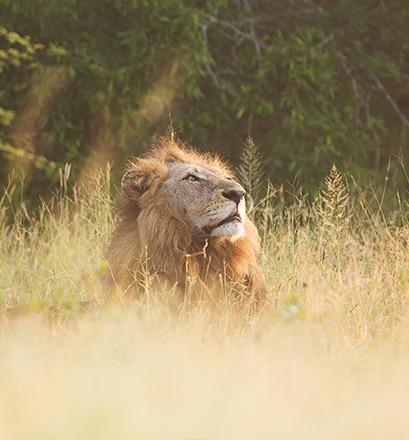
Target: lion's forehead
[(201, 170)]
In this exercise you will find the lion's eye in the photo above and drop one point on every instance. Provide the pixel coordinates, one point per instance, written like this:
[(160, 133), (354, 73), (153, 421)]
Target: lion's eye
[(192, 178), (226, 176)]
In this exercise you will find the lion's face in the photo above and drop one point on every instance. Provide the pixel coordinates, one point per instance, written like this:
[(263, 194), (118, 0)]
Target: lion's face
[(207, 199)]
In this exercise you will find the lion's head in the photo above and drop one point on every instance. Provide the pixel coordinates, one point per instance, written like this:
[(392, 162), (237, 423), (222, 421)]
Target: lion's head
[(182, 214)]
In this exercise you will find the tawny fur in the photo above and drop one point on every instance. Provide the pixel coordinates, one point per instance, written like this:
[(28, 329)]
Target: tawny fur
[(154, 236)]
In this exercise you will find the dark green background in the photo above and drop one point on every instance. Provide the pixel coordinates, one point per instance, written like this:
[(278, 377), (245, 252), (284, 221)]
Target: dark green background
[(312, 82)]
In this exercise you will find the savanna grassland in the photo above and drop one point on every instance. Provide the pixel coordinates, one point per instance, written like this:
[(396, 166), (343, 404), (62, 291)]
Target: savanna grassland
[(329, 358)]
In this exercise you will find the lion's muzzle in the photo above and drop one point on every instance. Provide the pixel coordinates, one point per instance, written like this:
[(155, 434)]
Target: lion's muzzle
[(234, 195)]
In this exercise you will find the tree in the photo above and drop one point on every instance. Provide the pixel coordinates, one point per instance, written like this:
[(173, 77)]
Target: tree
[(313, 82), (15, 51), (107, 76)]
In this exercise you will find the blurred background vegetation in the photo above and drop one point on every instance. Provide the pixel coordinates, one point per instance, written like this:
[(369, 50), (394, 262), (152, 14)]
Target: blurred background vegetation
[(313, 82)]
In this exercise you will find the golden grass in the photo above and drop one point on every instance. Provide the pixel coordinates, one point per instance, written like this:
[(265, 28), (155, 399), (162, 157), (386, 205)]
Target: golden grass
[(328, 361)]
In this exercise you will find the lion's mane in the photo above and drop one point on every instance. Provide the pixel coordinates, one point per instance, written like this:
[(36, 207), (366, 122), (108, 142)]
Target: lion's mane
[(152, 237)]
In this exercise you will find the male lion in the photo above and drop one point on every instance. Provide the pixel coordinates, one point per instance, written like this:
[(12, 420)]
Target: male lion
[(182, 220)]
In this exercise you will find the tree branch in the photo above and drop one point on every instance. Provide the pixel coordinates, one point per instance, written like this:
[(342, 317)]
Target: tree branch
[(389, 98)]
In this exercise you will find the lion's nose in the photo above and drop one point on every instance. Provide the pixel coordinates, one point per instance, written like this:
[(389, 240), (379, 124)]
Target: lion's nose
[(235, 195)]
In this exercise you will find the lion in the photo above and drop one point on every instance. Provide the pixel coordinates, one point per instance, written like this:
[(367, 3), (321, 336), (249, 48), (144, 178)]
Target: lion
[(182, 220)]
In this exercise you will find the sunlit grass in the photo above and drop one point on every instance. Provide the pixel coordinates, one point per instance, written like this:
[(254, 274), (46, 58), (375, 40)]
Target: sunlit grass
[(328, 360), (54, 256)]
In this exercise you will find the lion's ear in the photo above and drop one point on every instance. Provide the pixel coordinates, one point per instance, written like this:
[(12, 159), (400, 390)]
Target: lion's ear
[(133, 185), (140, 179)]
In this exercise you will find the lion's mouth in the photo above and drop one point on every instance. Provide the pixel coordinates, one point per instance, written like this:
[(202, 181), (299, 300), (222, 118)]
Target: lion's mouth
[(232, 218)]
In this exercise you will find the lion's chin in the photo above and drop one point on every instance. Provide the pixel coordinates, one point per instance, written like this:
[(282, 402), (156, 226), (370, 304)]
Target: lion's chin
[(231, 230)]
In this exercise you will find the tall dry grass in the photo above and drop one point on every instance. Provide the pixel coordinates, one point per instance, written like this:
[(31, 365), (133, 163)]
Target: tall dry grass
[(329, 360)]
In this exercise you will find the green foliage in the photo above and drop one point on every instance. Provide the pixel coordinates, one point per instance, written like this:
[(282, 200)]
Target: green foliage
[(304, 84), (17, 49), (107, 76), (14, 51), (313, 83)]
